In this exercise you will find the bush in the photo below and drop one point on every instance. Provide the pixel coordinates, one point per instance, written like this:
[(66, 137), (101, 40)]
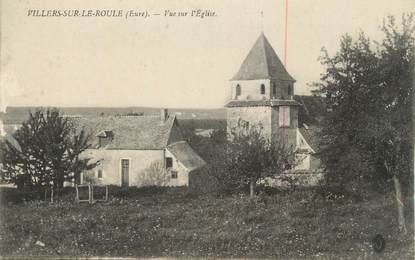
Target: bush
[(155, 175)]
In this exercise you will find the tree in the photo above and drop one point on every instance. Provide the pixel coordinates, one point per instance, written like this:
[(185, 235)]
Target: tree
[(46, 151), (155, 175), (367, 87), (250, 157)]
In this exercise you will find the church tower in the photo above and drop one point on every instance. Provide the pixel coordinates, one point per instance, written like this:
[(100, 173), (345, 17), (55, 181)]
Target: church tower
[(261, 94)]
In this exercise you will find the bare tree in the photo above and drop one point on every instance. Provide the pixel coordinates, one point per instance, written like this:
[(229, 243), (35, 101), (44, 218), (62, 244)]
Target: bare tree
[(155, 175)]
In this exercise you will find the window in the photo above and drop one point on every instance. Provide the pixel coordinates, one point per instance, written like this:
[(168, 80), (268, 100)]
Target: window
[(125, 164), (100, 174), (174, 175), (290, 90), (169, 162), (284, 116), (125, 172), (243, 123), (262, 89), (274, 90), (238, 90)]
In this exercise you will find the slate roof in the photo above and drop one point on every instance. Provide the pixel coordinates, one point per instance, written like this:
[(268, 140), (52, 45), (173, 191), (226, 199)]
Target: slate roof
[(129, 132), (311, 136), (12, 141), (259, 103), (186, 155), (262, 63)]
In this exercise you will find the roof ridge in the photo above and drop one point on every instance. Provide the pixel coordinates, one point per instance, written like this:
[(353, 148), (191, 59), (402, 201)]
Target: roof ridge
[(181, 141), (170, 119), (264, 39), (262, 62)]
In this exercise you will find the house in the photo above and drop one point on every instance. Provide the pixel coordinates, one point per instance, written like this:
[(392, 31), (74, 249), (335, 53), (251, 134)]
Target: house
[(138, 151), (262, 94)]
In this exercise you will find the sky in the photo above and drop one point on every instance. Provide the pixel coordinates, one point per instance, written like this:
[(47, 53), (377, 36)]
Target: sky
[(177, 62)]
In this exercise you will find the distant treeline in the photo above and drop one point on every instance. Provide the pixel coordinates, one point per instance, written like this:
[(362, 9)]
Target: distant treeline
[(16, 115), (311, 111), (217, 124)]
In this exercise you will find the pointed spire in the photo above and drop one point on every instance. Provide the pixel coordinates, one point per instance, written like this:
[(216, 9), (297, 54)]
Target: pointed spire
[(262, 63)]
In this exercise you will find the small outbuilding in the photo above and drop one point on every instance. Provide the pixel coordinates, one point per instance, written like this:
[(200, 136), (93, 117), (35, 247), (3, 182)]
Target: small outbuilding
[(138, 151)]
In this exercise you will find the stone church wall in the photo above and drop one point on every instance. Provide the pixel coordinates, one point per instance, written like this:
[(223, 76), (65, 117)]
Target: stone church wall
[(238, 116)]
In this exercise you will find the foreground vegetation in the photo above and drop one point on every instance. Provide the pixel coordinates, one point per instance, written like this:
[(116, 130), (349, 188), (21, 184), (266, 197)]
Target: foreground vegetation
[(171, 222)]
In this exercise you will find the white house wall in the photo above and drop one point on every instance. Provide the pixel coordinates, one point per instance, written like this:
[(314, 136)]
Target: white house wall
[(182, 172), (110, 164), (140, 161), (303, 159)]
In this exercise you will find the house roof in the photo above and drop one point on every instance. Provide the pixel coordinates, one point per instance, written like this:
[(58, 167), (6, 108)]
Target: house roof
[(259, 103), (310, 134), (12, 141), (129, 132), (186, 155), (262, 63)]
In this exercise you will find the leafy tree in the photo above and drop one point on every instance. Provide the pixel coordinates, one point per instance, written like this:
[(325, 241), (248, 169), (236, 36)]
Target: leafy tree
[(367, 133), (250, 157), (45, 151)]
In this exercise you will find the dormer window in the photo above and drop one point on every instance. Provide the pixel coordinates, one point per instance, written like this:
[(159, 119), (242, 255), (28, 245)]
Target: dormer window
[(262, 89), (105, 137)]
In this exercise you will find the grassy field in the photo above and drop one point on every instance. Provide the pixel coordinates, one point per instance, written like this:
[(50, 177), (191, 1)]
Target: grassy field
[(171, 222)]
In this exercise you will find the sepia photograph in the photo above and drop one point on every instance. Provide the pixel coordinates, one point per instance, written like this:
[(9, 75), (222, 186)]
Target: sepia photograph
[(177, 129)]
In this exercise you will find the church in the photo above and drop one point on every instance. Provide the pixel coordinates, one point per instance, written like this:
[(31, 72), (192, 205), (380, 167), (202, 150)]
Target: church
[(262, 94)]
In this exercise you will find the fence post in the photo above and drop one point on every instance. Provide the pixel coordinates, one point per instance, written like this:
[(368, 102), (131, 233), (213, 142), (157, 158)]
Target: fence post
[(77, 193), (89, 193), (92, 193), (106, 192)]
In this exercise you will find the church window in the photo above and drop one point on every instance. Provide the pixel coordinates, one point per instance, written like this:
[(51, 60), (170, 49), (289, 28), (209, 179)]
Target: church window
[(290, 90), (284, 116), (262, 89), (238, 90), (274, 90)]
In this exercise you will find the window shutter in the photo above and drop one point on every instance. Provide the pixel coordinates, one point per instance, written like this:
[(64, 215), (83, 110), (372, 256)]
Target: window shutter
[(284, 116)]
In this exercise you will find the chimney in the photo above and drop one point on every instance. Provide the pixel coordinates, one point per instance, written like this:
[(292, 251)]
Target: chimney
[(164, 114)]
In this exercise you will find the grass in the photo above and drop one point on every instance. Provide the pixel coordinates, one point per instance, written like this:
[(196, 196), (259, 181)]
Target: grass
[(171, 222)]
